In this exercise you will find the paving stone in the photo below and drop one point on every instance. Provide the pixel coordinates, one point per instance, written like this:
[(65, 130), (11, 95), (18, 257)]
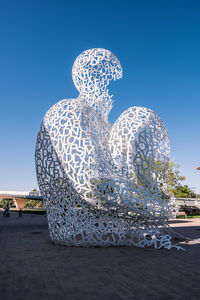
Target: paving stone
[(32, 268)]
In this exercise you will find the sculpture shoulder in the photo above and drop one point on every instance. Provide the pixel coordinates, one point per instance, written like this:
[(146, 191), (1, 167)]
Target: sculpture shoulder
[(69, 115), (62, 109)]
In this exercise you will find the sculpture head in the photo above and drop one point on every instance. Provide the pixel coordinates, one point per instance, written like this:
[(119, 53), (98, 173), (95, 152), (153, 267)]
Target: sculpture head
[(93, 69)]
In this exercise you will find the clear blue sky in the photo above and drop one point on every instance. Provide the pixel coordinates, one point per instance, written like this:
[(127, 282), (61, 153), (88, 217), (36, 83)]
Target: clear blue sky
[(157, 43)]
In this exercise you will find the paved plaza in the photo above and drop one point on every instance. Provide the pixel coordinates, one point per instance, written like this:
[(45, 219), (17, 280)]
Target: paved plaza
[(31, 267)]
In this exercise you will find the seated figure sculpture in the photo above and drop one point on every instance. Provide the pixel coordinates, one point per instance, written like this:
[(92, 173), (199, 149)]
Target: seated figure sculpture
[(103, 184)]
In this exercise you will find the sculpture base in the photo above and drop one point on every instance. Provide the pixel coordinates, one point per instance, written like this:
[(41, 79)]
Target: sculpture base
[(88, 228)]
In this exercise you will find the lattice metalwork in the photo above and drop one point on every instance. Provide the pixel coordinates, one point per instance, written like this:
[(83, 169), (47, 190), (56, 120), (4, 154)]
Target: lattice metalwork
[(103, 184)]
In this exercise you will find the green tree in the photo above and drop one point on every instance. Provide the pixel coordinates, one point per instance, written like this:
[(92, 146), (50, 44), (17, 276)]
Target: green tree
[(5, 202), (34, 190), (183, 191), (174, 183), (34, 203), (174, 177)]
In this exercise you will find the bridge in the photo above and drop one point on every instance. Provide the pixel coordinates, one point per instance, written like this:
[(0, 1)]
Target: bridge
[(20, 198)]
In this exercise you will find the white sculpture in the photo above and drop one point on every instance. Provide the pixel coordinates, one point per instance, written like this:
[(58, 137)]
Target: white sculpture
[(103, 184)]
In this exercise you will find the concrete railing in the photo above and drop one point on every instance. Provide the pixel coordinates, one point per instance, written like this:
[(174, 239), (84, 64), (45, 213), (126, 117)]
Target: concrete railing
[(188, 202)]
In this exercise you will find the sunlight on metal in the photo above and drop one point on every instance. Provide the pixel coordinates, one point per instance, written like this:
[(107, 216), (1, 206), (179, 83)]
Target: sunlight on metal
[(103, 184)]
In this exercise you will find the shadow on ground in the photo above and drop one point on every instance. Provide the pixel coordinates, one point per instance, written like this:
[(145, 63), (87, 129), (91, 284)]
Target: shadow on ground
[(34, 268)]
